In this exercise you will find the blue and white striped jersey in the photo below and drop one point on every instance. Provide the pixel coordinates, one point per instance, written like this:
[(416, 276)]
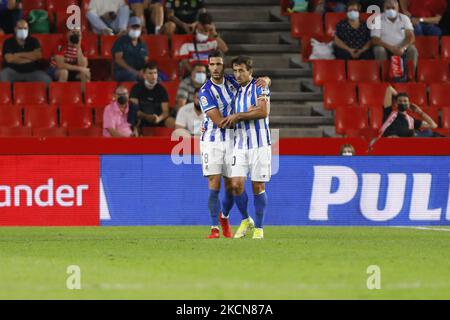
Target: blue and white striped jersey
[(222, 97), (251, 134)]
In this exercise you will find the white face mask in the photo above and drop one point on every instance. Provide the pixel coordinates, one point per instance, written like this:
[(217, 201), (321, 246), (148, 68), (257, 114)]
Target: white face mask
[(347, 154), (134, 34), (353, 15), (22, 34), (149, 84), (201, 37), (391, 13), (200, 77)]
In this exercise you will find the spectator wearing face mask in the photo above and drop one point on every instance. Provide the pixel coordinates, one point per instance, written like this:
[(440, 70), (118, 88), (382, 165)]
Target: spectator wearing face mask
[(119, 116), (347, 150), (108, 17), (152, 99), (352, 38), (395, 37), (398, 123), (190, 118), (205, 41), (21, 55), (186, 90), (130, 53), (68, 62)]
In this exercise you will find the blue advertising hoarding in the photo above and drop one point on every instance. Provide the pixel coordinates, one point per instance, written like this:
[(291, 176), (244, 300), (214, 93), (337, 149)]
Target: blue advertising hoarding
[(307, 190)]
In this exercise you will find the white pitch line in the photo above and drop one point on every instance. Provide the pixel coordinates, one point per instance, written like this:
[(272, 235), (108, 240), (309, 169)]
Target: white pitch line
[(425, 228)]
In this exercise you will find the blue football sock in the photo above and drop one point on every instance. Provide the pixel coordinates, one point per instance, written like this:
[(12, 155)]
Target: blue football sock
[(241, 202), (227, 203), (260, 208), (214, 207)]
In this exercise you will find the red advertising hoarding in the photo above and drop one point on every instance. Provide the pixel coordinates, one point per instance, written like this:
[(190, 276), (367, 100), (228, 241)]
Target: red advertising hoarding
[(49, 190)]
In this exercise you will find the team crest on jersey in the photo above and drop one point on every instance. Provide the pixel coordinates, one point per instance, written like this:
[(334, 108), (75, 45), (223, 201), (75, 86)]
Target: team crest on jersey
[(204, 101)]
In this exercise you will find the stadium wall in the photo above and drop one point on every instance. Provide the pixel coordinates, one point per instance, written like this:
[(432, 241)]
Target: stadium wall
[(122, 182)]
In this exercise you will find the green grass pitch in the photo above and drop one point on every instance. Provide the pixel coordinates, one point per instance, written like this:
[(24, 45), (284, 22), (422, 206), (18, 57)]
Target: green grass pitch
[(179, 263)]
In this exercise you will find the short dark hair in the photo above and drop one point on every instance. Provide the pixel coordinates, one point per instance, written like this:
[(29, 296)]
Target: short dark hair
[(198, 64), (152, 65), (401, 95), (215, 54), (354, 3), (204, 18), (245, 60)]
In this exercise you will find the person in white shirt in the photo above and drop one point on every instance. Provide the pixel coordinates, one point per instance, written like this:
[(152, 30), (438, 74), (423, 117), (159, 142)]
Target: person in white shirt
[(108, 17), (395, 35), (190, 118)]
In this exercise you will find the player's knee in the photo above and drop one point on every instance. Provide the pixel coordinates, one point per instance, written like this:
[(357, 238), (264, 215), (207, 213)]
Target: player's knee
[(258, 188), (237, 187)]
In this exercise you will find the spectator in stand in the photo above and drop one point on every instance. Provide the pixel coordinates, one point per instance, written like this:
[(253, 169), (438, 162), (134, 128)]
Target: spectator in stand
[(108, 17), (425, 15), (347, 150), (367, 3), (152, 99), (155, 9), (205, 41), (190, 118), (21, 55), (10, 13), (398, 123), (119, 117), (396, 35), (182, 15), (68, 62), (130, 53), (189, 85), (352, 38)]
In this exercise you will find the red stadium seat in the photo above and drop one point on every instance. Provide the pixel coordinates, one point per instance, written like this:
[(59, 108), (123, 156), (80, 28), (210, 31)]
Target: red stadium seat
[(44, 117), (331, 20), (157, 131), (5, 93), (307, 47), (28, 5), (172, 88), (88, 132), (15, 132), (306, 24), (11, 116), (363, 71), (284, 5), (48, 43), (65, 93), (417, 92), (427, 46), (445, 47), (376, 117), (169, 66), (385, 71), (430, 71), (177, 41), (60, 5), (30, 93), (106, 44), (157, 45), (98, 116), (99, 94), (372, 94), (90, 44), (328, 70), (76, 118), (439, 95), (446, 119), (350, 119), (339, 94), (49, 132), (128, 85)]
